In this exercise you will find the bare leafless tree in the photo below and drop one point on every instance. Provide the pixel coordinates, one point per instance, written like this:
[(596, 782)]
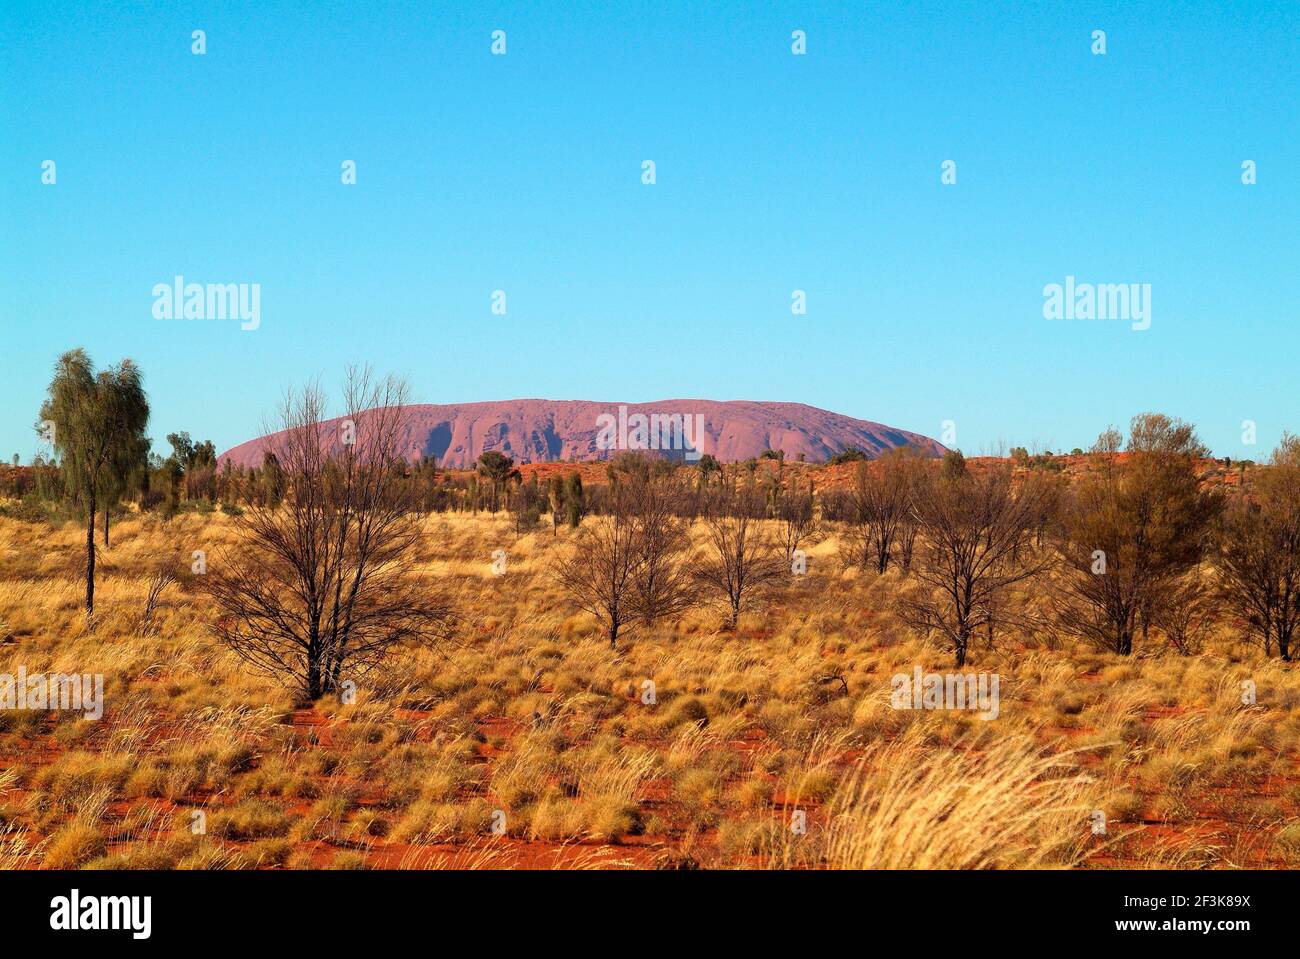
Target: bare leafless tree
[(796, 514), (1259, 552), (1187, 611), (915, 470), (741, 561), (161, 578), (882, 498), (1049, 497), (1107, 581), (974, 528), (321, 589), (662, 585), (597, 574), (907, 530), (835, 506)]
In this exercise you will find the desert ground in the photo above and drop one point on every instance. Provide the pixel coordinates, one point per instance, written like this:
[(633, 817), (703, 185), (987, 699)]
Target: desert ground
[(523, 740)]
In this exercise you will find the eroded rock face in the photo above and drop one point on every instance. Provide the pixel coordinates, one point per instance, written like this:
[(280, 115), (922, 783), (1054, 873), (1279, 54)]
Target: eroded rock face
[(534, 431)]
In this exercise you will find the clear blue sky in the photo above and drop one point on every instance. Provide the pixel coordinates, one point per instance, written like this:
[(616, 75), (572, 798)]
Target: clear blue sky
[(775, 172)]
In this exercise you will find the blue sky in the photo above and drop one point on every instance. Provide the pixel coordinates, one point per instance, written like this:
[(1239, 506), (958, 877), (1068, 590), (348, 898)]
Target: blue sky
[(775, 172)]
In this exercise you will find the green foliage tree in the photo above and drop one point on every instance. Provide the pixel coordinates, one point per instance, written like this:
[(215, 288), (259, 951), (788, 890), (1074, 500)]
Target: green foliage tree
[(99, 421), (850, 454), (496, 468), (271, 480), (182, 448), (1134, 530), (526, 506), (555, 499), (128, 473), (574, 500), (954, 465)]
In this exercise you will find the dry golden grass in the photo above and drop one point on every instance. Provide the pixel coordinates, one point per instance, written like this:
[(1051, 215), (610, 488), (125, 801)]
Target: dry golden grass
[(524, 741)]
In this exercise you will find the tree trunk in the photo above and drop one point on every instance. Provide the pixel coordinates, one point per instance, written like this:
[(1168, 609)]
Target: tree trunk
[(90, 563), (314, 691), (314, 685), (613, 636), (106, 528), (1124, 642), (333, 676)]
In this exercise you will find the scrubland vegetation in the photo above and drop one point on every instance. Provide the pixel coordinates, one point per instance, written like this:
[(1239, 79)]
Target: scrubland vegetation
[(524, 708), (346, 661)]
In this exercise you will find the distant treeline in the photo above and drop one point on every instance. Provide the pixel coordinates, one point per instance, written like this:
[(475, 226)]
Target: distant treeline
[(191, 479), (1137, 545)]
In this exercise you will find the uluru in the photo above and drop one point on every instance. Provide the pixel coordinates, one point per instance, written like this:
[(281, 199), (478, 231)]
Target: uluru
[(536, 430)]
